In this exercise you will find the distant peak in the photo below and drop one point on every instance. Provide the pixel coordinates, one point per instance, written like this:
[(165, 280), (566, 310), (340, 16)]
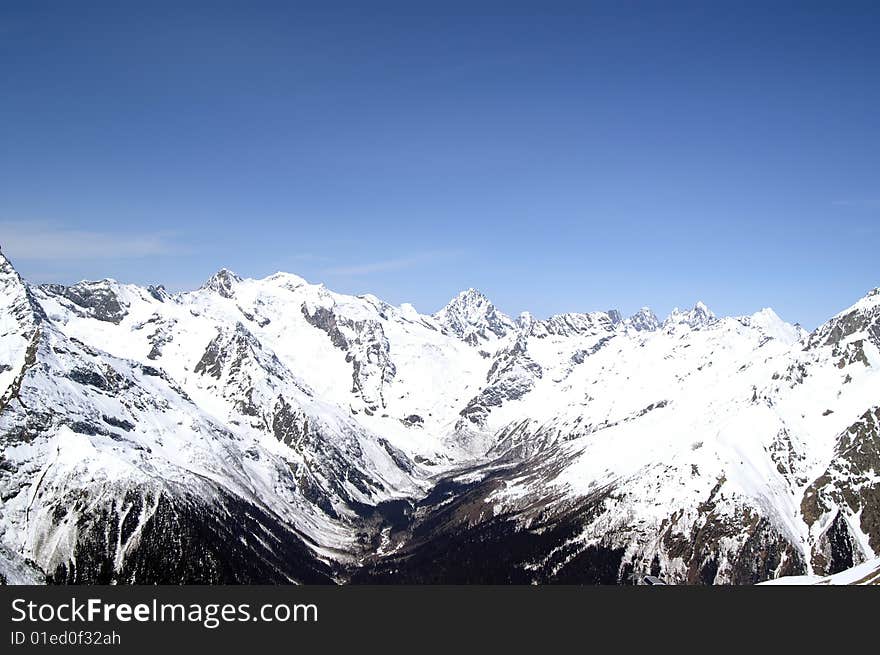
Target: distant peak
[(700, 310), (644, 320), (470, 301), (699, 316), (862, 318), (869, 300), (6, 266), (158, 292), (103, 282), (869, 303), (768, 313), (8, 275), (284, 275), (471, 294), (473, 317), (288, 280), (223, 282), (768, 322), (16, 301), (226, 273)]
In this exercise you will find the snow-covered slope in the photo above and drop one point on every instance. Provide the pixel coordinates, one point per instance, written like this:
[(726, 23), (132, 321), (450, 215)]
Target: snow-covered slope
[(867, 573), (278, 431)]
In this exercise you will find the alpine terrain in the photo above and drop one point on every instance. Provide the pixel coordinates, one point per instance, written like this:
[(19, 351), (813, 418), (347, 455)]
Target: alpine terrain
[(273, 431)]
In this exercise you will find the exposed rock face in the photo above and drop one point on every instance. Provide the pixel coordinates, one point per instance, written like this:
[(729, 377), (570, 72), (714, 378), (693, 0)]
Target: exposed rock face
[(158, 292), (846, 497), (324, 319), (366, 348), (228, 352), (160, 336), (580, 356), (512, 375), (98, 300), (372, 367), (723, 549), (863, 318)]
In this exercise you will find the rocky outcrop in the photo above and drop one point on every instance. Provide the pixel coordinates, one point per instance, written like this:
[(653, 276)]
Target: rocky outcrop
[(99, 300), (366, 348), (845, 499), (511, 377)]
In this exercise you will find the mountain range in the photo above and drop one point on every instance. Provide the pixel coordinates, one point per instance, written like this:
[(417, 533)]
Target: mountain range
[(273, 431)]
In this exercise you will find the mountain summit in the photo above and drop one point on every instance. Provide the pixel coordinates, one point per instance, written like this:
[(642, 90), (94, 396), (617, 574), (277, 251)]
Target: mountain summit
[(644, 320), (699, 316), (223, 282), (472, 317)]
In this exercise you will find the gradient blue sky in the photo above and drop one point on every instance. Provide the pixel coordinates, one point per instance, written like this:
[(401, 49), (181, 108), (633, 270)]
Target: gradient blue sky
[(558, 156)]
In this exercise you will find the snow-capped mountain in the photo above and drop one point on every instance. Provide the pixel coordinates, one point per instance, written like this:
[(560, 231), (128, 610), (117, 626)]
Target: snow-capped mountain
[(275, 431), (698, 317), (644, 320), (473, 318)]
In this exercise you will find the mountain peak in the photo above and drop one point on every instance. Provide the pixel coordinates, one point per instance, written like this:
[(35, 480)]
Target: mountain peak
[(644, 320), (472, 317), (769, 322), (857, 321), (867, 303), (16, 303), (472, 295), (698, 317), (701, 313), (290, 280), (470, 299), (6, 267), (767, 312), (223, 282)]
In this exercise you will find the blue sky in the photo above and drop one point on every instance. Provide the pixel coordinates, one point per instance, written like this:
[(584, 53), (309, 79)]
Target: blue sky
[(558, 156)]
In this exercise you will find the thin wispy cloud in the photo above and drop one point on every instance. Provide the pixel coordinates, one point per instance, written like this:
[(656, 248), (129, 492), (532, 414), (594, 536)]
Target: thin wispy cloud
[(392, 264), (47, 241)]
